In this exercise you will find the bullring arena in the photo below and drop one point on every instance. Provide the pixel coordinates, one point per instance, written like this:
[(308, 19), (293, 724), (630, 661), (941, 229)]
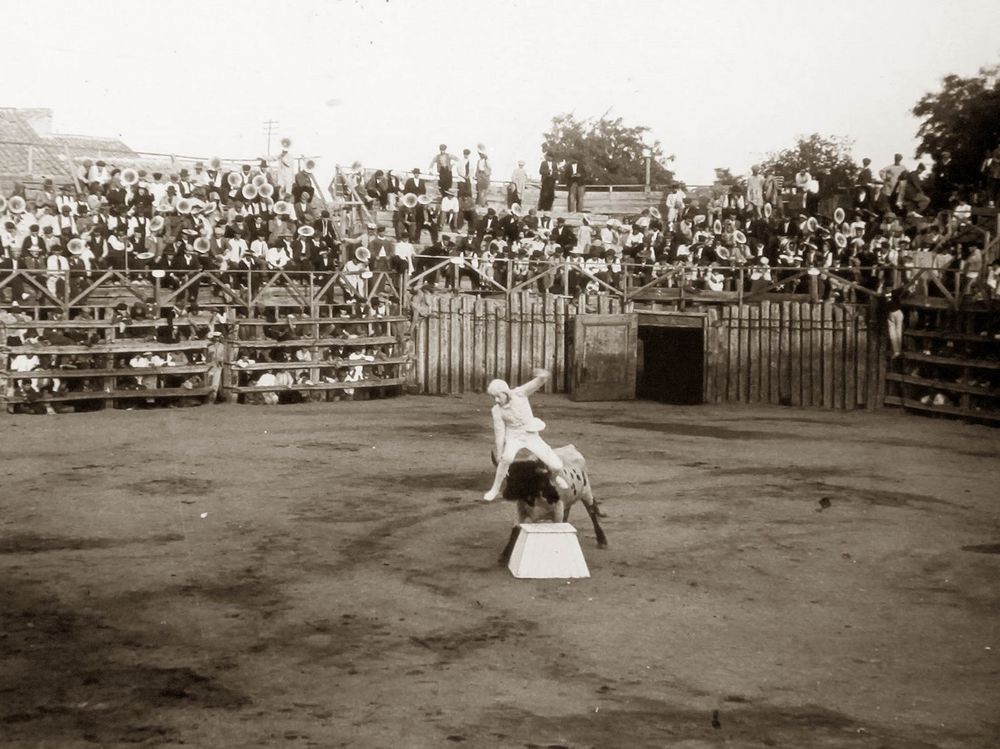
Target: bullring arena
[(248, 405)]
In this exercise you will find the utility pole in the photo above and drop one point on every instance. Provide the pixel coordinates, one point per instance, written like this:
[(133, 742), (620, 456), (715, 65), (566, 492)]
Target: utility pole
[(269, 127)]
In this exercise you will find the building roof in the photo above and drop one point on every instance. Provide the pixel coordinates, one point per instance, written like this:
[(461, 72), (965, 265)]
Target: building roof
[(86, 146), (21, 147), (51, 155)]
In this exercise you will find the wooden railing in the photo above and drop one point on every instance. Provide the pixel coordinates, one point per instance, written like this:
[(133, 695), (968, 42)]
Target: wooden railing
[(680, 283), (97, 364), (308, 290)]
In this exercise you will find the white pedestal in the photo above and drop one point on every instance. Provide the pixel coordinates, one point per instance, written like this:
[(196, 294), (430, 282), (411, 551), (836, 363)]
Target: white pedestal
[(547, 550)]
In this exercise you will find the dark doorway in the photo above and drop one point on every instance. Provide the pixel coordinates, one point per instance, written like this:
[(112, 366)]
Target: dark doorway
[(671, 364)]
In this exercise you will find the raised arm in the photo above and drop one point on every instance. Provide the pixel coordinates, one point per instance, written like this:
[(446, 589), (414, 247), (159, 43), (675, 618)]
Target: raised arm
[(541, 376)]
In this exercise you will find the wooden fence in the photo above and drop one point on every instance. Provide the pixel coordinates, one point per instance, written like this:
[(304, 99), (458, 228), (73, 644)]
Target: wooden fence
[(462, 342), (792, 353), (797, 354)]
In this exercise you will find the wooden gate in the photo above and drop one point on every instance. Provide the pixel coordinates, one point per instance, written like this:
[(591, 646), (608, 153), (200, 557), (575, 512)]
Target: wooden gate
[(604, 351)]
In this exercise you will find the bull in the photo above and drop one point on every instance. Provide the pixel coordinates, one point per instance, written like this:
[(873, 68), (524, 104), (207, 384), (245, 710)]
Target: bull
[(539, 499)]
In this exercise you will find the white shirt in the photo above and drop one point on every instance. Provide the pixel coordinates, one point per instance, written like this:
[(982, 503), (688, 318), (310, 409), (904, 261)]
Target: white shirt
[(405, 250), (24, 363)]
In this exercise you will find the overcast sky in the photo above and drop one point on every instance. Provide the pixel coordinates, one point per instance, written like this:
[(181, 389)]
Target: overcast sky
[(720, 84)]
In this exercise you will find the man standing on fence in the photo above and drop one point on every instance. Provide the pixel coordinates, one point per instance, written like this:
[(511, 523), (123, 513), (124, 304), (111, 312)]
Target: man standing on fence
[(483, 173), (516, 428), (576, 183), (547, 171)]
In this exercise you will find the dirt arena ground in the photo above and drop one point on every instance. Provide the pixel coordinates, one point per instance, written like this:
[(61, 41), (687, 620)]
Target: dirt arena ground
[(325, 576)]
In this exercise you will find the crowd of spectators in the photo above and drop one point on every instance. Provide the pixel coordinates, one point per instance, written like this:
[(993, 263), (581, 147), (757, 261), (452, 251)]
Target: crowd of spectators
[(265, 217), (247, 217), (762, 233), (64, 372)]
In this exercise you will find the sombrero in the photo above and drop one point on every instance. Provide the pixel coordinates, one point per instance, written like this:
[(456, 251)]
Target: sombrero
[(306, 231), (410, 200), (839, 239), (839, 216)]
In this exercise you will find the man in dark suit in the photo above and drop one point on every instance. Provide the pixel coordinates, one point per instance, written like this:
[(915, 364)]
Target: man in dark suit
[(415, 184), (547, 171), (7, 266), (305, 249), (185, 263), (326, 233), (564, 236), (489, 225), (575, 179)]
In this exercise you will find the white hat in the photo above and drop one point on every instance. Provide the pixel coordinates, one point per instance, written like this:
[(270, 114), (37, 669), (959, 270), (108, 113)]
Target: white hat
[(496, 387)]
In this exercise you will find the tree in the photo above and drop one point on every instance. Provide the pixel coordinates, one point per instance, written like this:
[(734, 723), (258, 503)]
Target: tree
[(610, 152), (828, 159), (960, 126)]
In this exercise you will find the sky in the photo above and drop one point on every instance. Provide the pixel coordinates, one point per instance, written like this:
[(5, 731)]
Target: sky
[(719, 84)]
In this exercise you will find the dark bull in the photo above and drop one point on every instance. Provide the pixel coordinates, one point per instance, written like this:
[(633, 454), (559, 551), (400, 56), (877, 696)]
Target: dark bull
[(539, 499)]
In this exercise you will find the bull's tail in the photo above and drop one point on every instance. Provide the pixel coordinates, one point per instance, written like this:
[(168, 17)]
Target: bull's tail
[(593, 510)]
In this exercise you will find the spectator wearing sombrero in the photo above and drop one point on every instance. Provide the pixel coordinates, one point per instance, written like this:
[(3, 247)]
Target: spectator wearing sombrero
[(304, 248), (304, 213), (404, 217)]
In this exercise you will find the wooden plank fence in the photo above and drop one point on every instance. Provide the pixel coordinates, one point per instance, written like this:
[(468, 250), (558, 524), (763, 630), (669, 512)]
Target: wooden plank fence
[(819, 355), (463, 342)]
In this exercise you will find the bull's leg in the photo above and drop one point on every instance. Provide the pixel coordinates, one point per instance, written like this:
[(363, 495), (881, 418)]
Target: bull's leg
[(587, 497), (559, 511), (509, 548)]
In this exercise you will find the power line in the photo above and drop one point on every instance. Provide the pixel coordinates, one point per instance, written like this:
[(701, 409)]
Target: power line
[(269, 127)]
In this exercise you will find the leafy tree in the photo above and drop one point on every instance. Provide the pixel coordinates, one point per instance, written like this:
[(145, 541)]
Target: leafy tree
[(828, 159), (960, 126), (727, 183), (609, 151)]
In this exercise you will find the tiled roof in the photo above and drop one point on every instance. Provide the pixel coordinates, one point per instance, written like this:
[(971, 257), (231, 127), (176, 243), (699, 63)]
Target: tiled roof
[(51, 155), (82, 146), (17, 137)]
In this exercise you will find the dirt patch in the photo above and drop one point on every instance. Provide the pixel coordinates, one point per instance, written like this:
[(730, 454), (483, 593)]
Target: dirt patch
[(649, 723), (685, 429), (983, 548), (30, 543), (69, 675), (173, 486), (459, 643), (325, 445)]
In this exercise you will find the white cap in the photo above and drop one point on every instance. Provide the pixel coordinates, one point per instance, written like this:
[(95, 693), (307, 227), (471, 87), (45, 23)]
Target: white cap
[(496, 387)]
